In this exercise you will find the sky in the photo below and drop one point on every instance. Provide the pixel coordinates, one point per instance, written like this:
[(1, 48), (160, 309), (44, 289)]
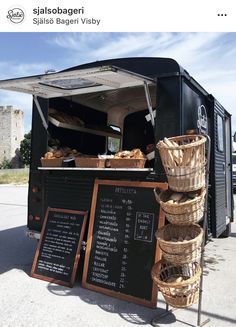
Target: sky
[(210, 58)]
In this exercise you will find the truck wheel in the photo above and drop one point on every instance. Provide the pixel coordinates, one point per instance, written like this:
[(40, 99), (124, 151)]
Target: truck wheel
[(227, 231)]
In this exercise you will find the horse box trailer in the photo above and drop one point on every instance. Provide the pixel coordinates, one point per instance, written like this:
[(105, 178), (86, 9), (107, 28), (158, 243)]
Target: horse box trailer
[(122, 104)]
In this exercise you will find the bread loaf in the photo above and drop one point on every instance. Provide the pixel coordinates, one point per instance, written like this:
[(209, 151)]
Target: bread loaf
[(184, 199), (193, 195), (48, 155), (137, 154), (173, 279), (133, 154), (122, 154), (58, 154), (177, 154), (170, 201), (176, 196)]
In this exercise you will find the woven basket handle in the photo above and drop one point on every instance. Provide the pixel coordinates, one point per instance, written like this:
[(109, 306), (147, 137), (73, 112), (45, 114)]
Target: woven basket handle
[(157, 193)]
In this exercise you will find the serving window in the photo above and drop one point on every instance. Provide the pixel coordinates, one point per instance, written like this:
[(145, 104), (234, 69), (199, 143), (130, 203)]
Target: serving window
[(74, 125), (103, 122)]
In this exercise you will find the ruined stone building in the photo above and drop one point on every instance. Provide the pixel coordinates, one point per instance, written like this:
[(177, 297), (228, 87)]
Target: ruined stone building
[(11, 132)]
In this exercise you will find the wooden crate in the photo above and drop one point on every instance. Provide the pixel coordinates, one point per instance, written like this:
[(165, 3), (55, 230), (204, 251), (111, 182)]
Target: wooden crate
[(126, 163), (55, 162), (89, 162)]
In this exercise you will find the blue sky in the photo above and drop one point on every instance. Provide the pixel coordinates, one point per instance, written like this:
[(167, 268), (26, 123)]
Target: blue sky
[(209, 57)]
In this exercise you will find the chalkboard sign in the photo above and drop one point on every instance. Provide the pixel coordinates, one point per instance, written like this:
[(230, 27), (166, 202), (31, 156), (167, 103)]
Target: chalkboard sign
[(57, 256), (122, 247)]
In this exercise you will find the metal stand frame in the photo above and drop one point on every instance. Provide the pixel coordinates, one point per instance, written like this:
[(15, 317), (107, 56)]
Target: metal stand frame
[(154, 321), (205, 231)]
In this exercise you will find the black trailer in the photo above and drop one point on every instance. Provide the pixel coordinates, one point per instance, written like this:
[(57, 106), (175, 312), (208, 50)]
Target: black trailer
[(124, 103)]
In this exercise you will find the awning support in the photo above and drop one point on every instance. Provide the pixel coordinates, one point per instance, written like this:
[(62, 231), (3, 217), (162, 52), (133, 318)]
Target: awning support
[(149, 103), (45, 124)]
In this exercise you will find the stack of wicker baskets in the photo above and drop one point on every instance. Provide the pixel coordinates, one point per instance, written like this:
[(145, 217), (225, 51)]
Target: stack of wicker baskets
[(178, 273)]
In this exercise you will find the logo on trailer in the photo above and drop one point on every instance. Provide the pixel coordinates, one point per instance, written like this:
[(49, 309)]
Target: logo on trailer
[(16, 15), (202, 122)]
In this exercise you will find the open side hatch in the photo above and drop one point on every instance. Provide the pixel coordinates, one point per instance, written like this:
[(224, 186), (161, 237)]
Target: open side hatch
[(79, 81)]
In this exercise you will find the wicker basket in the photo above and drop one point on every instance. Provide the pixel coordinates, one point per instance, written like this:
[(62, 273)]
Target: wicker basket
[(178, 294), (188, 212), (184, 161), (89, 162), (183, 258), (184, 251)]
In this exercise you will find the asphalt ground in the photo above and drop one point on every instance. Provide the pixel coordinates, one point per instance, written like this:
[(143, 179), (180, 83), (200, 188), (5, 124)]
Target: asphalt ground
[(26, 301)]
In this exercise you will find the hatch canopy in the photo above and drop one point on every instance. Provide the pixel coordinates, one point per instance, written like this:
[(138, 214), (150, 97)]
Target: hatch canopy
[(74, 82)]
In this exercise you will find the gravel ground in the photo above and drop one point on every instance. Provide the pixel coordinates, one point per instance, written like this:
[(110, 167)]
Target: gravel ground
[(25, 301)]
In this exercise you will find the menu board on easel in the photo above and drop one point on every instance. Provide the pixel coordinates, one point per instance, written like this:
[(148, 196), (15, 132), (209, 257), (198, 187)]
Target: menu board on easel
[(57, 256), (122, 247)]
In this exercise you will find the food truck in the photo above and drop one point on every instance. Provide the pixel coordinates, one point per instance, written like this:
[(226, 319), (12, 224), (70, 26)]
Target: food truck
[(109, 106)]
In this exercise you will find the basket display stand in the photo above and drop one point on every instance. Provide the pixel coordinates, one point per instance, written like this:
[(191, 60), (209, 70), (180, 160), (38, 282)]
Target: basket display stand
[(168, 310)]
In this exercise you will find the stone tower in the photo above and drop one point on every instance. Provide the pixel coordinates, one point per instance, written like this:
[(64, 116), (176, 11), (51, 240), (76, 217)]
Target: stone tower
[(11, 131)]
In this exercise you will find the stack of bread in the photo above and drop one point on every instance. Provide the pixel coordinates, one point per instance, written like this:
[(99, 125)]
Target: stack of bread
[(127, 159), (62, 117), (178, 157), (64, 152), (180, 197), (56, 156), (133, 154)]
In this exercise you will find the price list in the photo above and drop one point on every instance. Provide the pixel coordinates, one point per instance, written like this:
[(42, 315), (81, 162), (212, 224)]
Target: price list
[(123, 246)]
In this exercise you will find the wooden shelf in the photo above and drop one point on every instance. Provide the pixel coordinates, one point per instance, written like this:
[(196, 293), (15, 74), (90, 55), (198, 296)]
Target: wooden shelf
[(83, 129), (100, 169)]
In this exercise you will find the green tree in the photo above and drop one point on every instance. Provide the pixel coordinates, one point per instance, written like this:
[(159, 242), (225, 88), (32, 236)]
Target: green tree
[(5, 164), (25, 148)]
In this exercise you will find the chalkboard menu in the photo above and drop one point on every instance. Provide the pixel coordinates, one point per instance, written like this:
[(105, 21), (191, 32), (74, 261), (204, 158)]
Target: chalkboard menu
[(57, 256), (122, 247)]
